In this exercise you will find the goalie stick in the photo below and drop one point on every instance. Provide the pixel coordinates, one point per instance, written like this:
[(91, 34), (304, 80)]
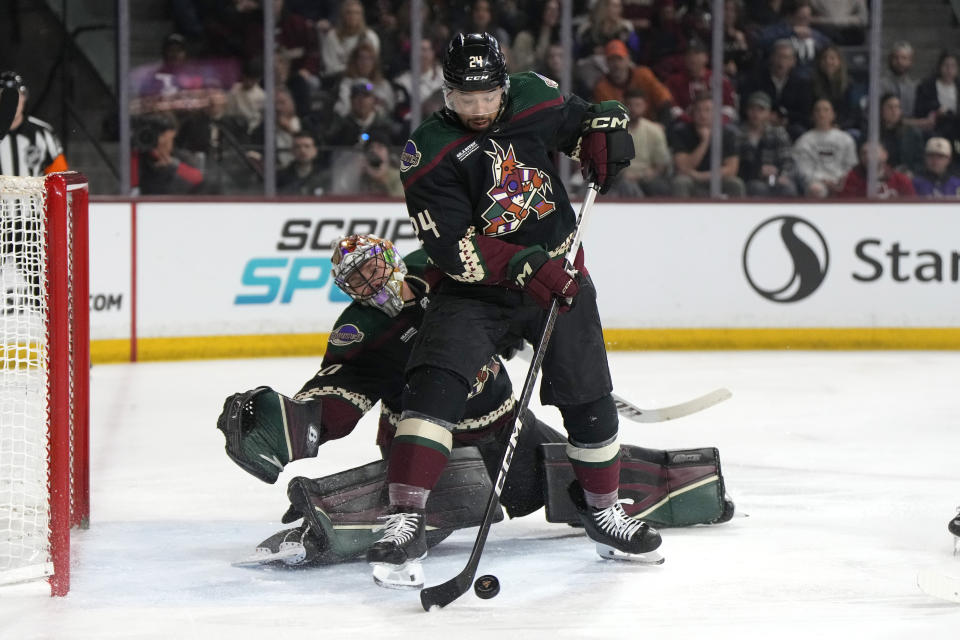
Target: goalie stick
[(632, 412), (443, 594)]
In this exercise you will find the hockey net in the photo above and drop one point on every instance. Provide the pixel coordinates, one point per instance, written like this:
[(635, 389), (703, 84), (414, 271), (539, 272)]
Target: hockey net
[(44, 380)]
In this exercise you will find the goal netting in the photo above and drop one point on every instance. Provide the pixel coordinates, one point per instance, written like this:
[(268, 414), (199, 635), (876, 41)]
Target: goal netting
[(44, 327)]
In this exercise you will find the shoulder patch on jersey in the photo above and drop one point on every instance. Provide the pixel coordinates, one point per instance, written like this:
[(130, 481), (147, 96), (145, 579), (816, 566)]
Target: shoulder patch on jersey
[(410, 157), (547, 81), (345, 334)]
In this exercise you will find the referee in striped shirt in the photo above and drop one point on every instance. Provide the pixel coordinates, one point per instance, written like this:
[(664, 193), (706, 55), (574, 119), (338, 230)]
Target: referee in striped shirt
[(31, 148)]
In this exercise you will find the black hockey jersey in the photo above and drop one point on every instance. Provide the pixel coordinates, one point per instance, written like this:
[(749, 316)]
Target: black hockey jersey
[(476, 198), (365, 360)]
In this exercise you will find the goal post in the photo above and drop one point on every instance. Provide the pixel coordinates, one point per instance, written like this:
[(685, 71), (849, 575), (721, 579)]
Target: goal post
[(44, 379)]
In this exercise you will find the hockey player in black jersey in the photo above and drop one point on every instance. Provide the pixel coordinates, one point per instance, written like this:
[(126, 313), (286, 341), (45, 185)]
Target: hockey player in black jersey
[(364, 362), (491, 212)]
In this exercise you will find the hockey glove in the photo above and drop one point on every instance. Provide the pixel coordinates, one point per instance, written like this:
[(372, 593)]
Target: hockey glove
[(605, 146), (544, 279)]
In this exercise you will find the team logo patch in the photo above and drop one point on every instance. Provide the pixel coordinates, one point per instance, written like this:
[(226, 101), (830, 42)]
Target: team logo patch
[(345, 334), (517, 190), (410, 157), (547, 81)]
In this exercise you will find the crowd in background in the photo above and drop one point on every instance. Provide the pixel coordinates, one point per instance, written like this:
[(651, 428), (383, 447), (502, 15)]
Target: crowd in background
[(794, 95)]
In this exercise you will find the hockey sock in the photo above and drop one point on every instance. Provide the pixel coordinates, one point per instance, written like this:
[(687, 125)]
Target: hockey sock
[(418, 454), (597, 467)]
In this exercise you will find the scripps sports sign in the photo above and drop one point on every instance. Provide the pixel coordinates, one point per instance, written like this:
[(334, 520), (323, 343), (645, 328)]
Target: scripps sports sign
[(795, 258)]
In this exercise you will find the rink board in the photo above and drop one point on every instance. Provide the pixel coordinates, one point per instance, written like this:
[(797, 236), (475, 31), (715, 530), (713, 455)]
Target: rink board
[(228, 279)]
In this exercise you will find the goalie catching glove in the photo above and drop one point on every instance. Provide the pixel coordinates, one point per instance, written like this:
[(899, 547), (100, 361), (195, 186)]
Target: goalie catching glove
[(605, 147), (532, 270)]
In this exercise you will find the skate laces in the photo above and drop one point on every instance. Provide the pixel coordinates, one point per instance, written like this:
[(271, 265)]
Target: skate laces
[(615, 521), (399, 527)]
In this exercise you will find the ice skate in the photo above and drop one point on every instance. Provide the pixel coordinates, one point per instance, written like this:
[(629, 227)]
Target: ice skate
[(396, 557), (618, 536), (290, 547)]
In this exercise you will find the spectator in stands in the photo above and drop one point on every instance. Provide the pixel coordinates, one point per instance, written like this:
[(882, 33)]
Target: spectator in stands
[(361, 122), (606, 23), (650, 167), (898, 81), (431, 77), (481, 20), (176, 84), (622, 75), (217, 141), (246, 98), (790, 94), (890, 183), (766, 153), (363, 66), (694, 79), (938, 97), (303, 176), (763, 13), (690, 141), (530, 47), (831, 81), (159, 168), (903, 142), (843, 21), (339, 41), (663, 45), (288, 124), (43, 150), (379, 174), (825, 154), (795, 28), (936, 180), (738, 57)]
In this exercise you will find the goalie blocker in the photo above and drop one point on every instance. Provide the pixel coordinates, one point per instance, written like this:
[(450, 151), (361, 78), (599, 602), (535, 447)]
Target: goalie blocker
[(340, 511)]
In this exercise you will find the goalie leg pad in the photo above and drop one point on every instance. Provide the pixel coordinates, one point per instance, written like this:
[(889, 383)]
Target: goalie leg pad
[(524, 488), (342, 509), (672, 488)]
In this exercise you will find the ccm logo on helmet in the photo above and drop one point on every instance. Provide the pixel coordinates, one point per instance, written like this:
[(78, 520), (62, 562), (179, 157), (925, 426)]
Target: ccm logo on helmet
[(477, 78), (608, 122)]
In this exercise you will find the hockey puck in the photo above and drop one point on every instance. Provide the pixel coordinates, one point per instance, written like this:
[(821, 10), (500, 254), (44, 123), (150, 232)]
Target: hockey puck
[(486, 586)]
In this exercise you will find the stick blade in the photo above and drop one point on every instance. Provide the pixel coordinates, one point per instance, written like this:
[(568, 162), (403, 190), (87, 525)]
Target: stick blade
[(673, 412), (443, 594)]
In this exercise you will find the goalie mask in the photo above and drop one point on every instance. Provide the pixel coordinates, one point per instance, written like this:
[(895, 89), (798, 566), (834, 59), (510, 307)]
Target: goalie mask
[(369, 270)]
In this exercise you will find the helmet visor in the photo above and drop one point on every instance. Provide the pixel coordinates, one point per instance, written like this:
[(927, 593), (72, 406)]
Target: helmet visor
[(473, 103)]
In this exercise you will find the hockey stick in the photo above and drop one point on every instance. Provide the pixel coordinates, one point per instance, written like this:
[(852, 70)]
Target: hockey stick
[(662, 414), (443, 594), (632, 412)]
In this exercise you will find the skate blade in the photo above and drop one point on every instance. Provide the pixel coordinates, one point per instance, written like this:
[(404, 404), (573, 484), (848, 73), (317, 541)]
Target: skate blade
[(289, 553), (610, 553), (939, 585), (405, 576)]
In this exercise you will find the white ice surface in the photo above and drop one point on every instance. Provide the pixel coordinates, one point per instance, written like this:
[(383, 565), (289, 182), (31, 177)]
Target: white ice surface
[(847, 464)]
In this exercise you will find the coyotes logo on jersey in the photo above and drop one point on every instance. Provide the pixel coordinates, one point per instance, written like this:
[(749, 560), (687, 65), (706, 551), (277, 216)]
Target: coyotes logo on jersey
[(517, 189)]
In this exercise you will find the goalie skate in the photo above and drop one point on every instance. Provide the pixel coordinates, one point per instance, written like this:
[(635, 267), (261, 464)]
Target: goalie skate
[(939, 585), (286, 547)]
